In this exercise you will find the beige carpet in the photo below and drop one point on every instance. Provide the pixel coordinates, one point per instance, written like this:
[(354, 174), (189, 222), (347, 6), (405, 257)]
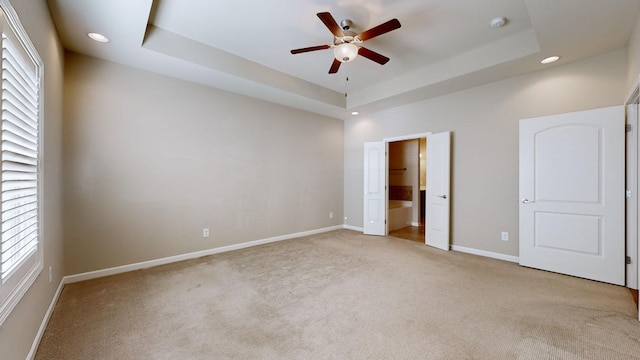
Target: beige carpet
[(342, 295)]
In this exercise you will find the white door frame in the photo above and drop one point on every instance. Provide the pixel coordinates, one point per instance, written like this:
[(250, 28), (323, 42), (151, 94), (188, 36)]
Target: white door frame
[(631, 170), (632, 222), (403, 138), (407, 137)]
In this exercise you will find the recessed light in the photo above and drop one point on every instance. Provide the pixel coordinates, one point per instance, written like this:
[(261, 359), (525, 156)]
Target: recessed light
[(498, 22), (98, 37), (550, 59), (354, 113)]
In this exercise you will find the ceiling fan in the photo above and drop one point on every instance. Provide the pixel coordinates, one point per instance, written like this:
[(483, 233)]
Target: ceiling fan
[(347, 44)]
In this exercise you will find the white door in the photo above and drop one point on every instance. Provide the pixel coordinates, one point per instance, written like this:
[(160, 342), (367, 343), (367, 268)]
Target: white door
[(438, 198), (632, 197), (375, 205), (572, 207)]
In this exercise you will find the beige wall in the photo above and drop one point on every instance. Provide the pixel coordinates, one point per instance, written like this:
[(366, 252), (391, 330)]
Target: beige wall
[(19, 330), (633, 71), (484, 123), (151, 160)]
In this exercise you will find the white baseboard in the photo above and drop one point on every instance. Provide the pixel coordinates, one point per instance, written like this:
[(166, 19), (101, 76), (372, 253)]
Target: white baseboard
[(354, 228), (45, 321), (194, 255), (489, 254)]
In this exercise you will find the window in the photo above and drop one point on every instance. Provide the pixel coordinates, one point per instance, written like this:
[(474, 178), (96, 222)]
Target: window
[(20, 245)]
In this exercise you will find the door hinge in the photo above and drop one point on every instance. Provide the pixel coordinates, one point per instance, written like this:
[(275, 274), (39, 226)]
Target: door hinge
[(627, 194), (628, 128), (628, 260)]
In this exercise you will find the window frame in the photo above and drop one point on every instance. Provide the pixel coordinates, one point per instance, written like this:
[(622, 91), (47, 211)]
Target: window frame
[(15, 286)]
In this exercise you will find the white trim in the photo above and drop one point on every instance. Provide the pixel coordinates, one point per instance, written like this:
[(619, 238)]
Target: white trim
[(631, 204), (633, 92), (16, 26), (194, 255), (386, 171), (45, 321), (407, 137), (484, 253), (354, 228), (632, 97), (16, 294)]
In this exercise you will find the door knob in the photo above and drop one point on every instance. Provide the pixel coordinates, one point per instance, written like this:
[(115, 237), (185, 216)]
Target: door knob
[(526, 201), (442, 196)]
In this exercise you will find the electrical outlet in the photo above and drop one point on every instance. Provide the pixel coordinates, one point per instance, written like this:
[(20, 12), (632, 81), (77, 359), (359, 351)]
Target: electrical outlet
[(331, 215), (505, 236), (50, 274), (205, 232)]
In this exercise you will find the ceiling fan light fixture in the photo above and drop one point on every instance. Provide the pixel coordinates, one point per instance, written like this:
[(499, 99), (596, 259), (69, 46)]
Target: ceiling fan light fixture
[(345, 52)]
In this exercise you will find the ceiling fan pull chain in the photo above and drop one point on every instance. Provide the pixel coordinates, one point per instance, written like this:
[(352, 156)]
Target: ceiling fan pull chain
[(346, 87)]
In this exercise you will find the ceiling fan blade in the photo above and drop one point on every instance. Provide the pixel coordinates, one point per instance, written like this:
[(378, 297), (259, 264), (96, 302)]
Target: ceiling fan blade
[(379, 30), (372, 55), (335, 66), (331, 24), (311, 48)]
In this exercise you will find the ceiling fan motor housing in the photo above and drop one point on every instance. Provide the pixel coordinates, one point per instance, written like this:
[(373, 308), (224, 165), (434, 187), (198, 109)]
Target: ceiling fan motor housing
[(346, 24), (347, 35)]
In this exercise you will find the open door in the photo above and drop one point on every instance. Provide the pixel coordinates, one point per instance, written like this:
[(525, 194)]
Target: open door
[(375, 198), (572, 196), (632, 194), (633, 250), (438, 198)]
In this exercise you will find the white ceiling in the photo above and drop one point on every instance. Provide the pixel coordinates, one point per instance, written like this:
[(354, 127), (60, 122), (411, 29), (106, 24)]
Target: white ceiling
[(243, 45)]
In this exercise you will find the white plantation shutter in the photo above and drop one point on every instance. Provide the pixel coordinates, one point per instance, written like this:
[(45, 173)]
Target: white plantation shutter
[(19, 158), (20, 246)]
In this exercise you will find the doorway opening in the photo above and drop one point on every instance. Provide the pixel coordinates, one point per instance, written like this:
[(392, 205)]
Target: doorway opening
[(437, 197), (407, 164)]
